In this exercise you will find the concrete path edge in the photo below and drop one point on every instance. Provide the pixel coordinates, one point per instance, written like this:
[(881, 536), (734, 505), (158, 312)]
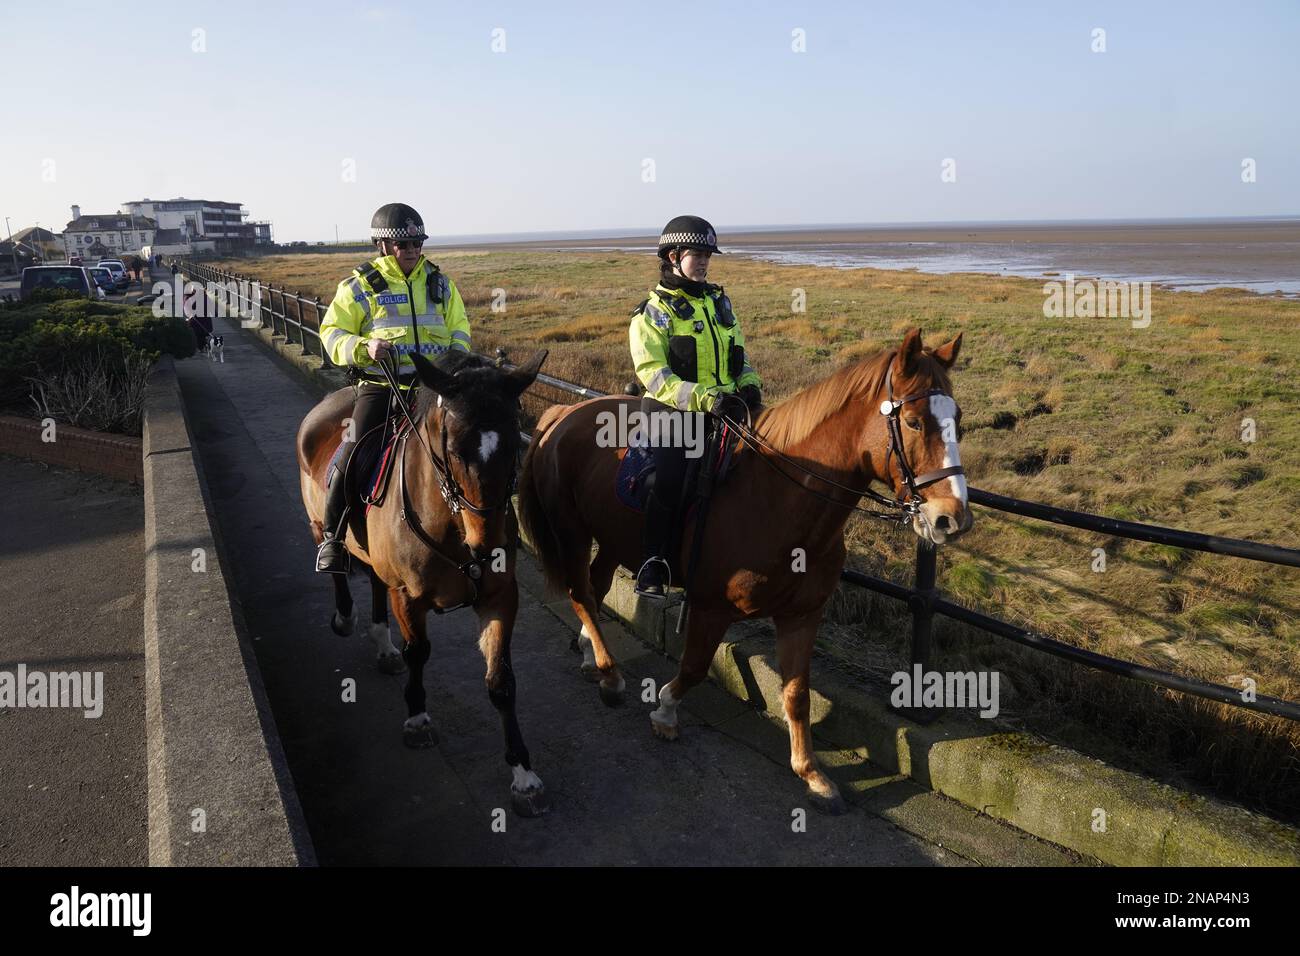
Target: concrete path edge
[(220, 793)]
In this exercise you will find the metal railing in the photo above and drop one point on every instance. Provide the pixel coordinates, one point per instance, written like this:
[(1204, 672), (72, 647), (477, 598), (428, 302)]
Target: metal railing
[(263, 306), (923, 598)]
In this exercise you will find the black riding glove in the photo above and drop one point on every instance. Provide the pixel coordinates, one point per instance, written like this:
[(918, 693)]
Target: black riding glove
[(729, 405)]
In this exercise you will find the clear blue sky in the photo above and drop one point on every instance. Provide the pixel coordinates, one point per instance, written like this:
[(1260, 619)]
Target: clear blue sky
[(551, 134)]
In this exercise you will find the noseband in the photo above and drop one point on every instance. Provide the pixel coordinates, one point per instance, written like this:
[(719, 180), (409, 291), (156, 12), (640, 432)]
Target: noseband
[(914, 482)]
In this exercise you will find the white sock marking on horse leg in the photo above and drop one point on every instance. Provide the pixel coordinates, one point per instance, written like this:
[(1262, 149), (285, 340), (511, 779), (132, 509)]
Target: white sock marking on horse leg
[(666, 715), (525, 780), (419, 720), (943, 408), (588, 650), (382, 640), (487, 444)]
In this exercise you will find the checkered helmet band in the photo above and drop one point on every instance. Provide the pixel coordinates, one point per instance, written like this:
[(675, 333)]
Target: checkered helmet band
[(411, 229)]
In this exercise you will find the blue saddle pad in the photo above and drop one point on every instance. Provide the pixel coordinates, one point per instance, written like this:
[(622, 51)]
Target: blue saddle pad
[(630, 483)]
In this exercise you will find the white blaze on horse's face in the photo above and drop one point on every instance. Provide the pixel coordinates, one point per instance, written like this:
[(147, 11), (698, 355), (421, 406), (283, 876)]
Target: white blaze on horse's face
[(487, 444), (944, 410), (943, 517)]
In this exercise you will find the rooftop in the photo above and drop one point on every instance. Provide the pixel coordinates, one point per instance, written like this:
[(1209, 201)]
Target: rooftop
[(111, 220), (182, 199)]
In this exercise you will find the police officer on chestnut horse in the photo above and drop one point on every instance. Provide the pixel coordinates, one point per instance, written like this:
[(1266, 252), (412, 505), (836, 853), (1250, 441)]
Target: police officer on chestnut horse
[(390, 308), (690, 355)]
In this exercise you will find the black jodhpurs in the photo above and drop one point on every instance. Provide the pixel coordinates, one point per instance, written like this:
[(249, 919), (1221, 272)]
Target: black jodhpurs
[(672, 466), (368, 412)]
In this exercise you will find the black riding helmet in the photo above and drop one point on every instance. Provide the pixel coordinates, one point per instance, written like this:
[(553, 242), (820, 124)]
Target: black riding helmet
[(688, 232), (396, 220)]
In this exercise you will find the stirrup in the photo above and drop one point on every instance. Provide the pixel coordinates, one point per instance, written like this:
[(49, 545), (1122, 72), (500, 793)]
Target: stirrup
[(332, 556), (656, 592)]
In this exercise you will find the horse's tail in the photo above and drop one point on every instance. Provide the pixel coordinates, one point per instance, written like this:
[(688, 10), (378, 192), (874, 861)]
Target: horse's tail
[(532, 512)]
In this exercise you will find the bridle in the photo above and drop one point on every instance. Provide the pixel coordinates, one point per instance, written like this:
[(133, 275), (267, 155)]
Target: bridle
[(904, 508), (448, 486)]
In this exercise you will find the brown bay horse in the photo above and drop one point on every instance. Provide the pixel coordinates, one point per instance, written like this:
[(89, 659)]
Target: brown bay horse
[(774, 543), (443, 537)]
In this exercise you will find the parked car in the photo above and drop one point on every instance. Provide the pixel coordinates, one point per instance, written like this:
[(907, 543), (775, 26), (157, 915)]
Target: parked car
[(115, 266), (76, 278), (103, 278), (75, 261)]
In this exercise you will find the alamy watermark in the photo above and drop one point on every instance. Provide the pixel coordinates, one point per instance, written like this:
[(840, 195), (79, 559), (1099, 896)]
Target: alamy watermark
[(922, 688), (181, 299), (34, 689), (1101, 298), (655, 429), (129, 910)]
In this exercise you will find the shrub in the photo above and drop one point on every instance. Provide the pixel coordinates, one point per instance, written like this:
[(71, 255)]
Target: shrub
[(42, 338), (101, 390)]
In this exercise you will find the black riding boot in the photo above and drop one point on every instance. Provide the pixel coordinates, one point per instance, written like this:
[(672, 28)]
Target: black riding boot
[(332, 556), (653, 579)]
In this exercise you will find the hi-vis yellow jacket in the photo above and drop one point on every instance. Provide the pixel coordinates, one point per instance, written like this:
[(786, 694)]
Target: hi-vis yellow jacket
[(687, 348), (421, 312)]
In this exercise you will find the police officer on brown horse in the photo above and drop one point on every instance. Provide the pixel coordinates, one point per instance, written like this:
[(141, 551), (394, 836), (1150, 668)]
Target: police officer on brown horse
[(392, 307), (689, 353)]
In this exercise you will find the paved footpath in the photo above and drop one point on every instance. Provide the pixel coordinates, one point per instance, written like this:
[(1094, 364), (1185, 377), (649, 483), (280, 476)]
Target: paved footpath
[(72, 788), (723, 794)]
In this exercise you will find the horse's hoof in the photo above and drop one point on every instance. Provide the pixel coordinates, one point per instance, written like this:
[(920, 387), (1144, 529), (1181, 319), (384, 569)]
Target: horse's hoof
[(663, 731), (530, 803), (832, 805), (390, 664), (343, 626), (612, 696), (420, 738), (591, 672)]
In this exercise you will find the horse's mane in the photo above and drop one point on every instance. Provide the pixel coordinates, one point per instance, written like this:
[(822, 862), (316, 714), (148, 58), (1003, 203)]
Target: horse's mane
[(793, 420), (473, 372)]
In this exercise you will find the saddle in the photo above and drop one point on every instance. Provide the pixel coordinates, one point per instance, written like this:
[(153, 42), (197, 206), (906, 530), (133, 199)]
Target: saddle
[(636, 470), (370, 470)]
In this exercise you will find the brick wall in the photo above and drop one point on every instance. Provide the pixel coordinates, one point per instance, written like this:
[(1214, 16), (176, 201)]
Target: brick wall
[(116, 456)]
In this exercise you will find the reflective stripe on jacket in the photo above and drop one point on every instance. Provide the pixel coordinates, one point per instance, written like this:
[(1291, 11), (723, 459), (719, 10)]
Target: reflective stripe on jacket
[(684, 353), (378, 301)]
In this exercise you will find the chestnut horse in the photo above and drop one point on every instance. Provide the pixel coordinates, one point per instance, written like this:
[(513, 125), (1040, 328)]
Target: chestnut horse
[(774, 541), (444, 536)]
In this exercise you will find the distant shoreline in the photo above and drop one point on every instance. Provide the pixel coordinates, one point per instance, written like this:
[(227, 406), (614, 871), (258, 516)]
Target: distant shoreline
[(1260, 255), (1275, 229)]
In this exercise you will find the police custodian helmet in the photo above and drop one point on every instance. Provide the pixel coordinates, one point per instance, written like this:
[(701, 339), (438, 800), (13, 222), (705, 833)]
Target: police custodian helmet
[(396, 220), (688, 232)]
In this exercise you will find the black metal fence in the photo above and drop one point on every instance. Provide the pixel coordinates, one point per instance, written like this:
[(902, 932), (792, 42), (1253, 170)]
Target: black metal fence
[(923, 598)]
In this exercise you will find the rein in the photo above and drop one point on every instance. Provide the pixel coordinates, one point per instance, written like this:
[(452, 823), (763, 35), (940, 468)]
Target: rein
[(906, 508)]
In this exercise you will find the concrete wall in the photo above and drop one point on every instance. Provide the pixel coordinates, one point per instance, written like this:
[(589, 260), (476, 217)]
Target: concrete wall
[(213, 749)]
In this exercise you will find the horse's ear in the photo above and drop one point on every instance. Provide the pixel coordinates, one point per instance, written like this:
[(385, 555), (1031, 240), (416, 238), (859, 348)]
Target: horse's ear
[(946, 354), (520, 378), (910, 351), (432, 377)]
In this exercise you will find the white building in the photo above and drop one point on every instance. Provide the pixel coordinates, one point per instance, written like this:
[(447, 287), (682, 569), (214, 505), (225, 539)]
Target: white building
[(107, 236), (222, 223)]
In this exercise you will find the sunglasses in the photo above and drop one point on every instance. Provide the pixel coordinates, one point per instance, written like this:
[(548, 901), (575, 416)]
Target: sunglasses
[(403, 244)]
